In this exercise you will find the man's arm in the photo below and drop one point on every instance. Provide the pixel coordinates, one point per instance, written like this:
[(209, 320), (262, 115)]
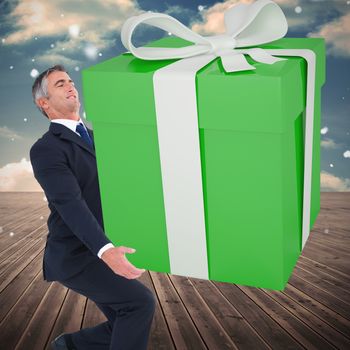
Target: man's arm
[(62, 190)]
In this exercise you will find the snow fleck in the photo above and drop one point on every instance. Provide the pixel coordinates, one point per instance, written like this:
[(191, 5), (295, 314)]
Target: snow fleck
[(52, 46), (343, 97), (200, 7), (346, 154), (44, 199), (34, 73), (63, 48), (33, 59), (169, 33), (331, 165), (25, 119), (100, 54), (324, 130), (11, 67), (36, 38), (326, 230), (12, 139), (12, 234), (74, 30), (3, 40), (298, 9), (62, 15), (90, 51), (76, 68), (41, 218), (84, 115)]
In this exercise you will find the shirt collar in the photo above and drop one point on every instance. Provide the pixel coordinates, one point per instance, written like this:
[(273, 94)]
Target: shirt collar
[(70, 124)]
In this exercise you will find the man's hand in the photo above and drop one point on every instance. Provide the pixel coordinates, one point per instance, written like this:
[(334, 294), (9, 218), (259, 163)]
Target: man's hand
[(115, 258)]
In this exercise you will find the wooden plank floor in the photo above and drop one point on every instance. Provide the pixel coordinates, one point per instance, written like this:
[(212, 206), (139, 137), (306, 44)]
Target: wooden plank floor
[(313, 312)]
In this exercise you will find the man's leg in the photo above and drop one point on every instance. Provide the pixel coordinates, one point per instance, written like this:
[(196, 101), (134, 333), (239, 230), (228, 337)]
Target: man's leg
[(98, 337), (128, 305)]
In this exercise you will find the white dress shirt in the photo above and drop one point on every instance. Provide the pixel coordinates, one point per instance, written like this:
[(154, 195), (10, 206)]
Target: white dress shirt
[(72, 124)]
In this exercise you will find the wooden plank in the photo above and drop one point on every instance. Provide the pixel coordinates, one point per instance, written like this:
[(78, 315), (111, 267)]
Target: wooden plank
[(11, 200), (322, 311), (36, 335), (16, 321), (235, 325), (160, 337), (270, 330), (17, 287), (211, 331), (11, 273), (330, 249), (319, 326), (316, 300), (20, 231), (324, 270), (93, 315), (296, 328), (323, 283), (327, 258), (17, 217), (9, 256), (182, 329), (321, 295), (70, 316), (333, 243)]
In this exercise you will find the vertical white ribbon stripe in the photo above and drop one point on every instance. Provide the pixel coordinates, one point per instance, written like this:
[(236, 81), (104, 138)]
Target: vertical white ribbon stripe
[(178, 137)]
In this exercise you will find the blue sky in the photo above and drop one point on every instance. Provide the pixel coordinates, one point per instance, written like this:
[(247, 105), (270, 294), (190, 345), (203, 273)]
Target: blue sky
[(36, 34)]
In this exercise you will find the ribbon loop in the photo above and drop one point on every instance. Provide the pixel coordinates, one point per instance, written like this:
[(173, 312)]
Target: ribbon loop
[(246, 25)]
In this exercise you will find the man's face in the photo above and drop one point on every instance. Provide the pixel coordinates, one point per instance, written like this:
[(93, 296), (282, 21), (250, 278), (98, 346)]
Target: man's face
[(63, 99)]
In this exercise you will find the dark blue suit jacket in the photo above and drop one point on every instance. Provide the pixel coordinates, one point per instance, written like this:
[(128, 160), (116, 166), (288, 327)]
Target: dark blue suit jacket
[(65, 167)]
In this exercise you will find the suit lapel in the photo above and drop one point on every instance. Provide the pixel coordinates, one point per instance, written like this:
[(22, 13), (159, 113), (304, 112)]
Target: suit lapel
[(66, 134)]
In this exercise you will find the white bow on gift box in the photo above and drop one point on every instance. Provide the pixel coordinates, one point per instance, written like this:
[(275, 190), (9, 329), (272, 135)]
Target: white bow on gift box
[(177, 120)]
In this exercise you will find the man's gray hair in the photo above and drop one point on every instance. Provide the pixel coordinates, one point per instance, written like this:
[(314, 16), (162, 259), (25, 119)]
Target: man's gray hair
[(39, 88)]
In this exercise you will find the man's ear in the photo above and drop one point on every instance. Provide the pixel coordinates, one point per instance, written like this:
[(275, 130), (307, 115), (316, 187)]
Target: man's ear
[(42, 103)]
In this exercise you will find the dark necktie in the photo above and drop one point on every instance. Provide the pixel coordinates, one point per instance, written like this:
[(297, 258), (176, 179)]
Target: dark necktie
[(84, 134)]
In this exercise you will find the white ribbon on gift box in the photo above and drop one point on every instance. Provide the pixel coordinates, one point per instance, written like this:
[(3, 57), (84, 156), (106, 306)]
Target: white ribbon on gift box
[(177, 118)]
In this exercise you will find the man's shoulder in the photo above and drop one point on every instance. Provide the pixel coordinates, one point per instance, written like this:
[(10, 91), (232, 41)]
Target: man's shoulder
[(41, 141), (47, 143)]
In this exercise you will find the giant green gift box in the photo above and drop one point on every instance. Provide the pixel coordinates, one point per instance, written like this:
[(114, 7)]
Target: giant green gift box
[(252, 154)]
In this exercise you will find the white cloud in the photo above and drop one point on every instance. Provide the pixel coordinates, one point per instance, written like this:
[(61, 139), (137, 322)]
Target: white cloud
[(75, 24), (332, 183), (43, 18), (336, 34), (213, 17), (329, 144), (301, 15), (55, 58), (18, 177), (7, 133)]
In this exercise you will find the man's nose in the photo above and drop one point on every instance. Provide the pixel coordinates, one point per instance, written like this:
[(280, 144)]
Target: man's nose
[(70, 87)]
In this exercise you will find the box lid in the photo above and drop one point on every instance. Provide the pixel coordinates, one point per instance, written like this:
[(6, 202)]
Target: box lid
[(120, 89)]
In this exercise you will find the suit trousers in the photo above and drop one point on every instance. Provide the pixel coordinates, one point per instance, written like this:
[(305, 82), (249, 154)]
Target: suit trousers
[(127, 304)]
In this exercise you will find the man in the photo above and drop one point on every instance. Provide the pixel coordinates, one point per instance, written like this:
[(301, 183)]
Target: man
[(78, 254)]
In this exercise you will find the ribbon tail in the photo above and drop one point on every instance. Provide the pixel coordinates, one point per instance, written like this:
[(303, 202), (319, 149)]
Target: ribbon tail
[(235, 62), (260, 55)]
